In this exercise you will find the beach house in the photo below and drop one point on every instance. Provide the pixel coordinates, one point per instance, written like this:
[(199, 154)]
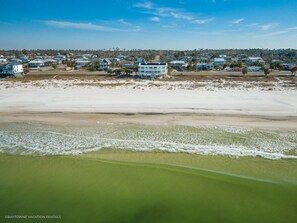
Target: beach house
[(80, 63), (204, 66), (2, 59), (151, 70), (251, 60), (104, 64), (178, 63), (36, 64), (218, 61), (13, 69)]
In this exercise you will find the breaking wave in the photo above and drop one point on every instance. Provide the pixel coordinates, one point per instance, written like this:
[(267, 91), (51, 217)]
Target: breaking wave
[(27, 139)]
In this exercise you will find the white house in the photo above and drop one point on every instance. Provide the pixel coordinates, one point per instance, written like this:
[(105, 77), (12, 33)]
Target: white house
[(178, 63), (223, 56), (79, 63), (88, 55), (36, 64), (48, 62), (218, 61), (104, 64), (115, 60), (251, 60), (11, 69), (121, 57), (60, 57), (152, 69)]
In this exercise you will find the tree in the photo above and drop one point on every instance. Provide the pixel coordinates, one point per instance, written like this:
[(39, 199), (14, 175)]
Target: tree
[(128, 72), (244, 71), (266, 71), (113, 65), (70, 63), (93, 66), (276, 65), (118, 72), (25, 52), (170, 69), (293, 71)]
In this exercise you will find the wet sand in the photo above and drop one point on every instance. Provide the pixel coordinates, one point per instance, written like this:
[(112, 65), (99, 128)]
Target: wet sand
[(186, 119)]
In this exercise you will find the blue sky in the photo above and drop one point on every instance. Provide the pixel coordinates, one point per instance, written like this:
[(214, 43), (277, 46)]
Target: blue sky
[(163, 24)]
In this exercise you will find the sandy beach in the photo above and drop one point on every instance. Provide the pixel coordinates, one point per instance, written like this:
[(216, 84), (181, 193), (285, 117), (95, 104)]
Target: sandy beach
[(70, 118), (147, 97)]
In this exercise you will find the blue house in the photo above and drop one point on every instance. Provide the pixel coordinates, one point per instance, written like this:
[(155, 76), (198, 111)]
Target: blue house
[(204, 66), (218, 61), (24, 59), (13, 69)]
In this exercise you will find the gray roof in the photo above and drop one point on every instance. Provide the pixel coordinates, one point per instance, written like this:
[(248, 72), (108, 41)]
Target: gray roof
[(2, 65), (15, 63)]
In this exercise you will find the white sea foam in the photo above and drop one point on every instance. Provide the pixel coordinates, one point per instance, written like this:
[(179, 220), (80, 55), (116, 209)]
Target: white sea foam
[(42, 140)]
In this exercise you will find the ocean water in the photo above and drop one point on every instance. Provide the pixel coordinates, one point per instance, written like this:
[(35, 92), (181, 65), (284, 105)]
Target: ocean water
[(37, 139)]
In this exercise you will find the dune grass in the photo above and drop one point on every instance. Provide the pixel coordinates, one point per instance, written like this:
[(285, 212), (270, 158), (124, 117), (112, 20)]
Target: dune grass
[(112, 186)]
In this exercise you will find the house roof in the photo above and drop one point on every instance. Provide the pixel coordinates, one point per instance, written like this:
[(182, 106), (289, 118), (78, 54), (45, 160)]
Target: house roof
[(255, 58), (219, 59), (2, 65), (36, 61), (178, 62), (106, 60), (15, 63), (153, 64)]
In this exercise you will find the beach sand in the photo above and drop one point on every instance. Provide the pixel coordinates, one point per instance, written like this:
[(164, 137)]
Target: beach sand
[(211, 120), (73, 119)]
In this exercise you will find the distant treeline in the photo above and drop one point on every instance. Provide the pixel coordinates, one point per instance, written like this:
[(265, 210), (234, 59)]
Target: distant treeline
[(266, 54)]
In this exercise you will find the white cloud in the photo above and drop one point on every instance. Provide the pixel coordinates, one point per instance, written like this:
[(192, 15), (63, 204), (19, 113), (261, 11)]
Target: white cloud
[(171, 26), (202, 21), (292, 28), (144, 5), (75, 25), (88, 26), (268, 26), (277, 33), (124, 22), (138, 29), (180, 16), (174, 13), (155, 19), (237, 21), (264, 27)]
